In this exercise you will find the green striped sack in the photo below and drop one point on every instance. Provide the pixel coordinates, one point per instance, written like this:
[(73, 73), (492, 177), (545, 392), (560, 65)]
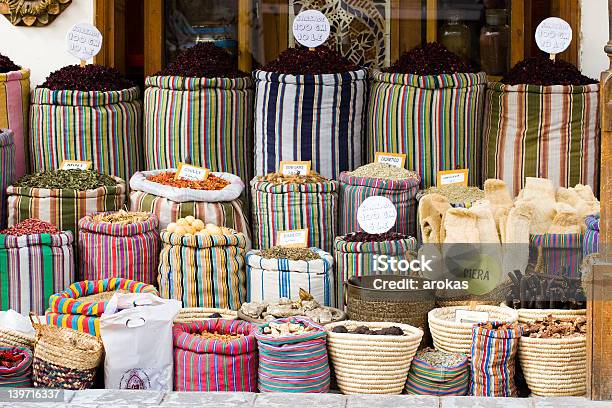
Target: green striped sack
[(19, 375), (427, 379), (435, 120), (203, 270), (542, 131), (357, 259), (101, 127), (14, 105), (7, 170), (32, 268), (206, 120), (62, 207), (279, 207), (402, 193)]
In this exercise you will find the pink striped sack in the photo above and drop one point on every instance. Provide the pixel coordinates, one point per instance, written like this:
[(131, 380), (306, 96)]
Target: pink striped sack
[(7, 170), (203, 364), (14, 106), (119, 251)]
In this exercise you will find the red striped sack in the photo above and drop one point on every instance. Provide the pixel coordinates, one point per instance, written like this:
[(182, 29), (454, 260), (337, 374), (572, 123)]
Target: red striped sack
[(118, 251), (14, 105), (202, 364)]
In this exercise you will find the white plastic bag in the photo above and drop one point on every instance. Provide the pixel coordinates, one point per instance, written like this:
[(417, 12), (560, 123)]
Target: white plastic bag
[(136, 329), (12, 320)]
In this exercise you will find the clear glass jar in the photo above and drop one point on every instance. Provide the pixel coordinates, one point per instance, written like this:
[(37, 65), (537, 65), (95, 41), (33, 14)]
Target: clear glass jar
[(495, 43), (455, 35)]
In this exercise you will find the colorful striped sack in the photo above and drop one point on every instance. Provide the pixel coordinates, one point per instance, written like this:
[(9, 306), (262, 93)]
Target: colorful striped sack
[(202, 364), (67, 310), (309, 117), (493, 354), (590, 243), (118, 251), (270, 279), (101, 127), (203, 271), (402, 193), (426, 379), (542, 131), (435, 120), (19, 376), (221, 207), (279, 207), (62, 207), (293, 363), (206, 120), (560, 254), (357, 259), (32, 268), (14, 106), (7, 169)]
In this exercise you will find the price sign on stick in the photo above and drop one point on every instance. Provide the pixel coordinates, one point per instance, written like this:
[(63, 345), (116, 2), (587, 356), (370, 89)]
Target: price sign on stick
[(311, 28), (376, 215), (83, 41), (553, 35)]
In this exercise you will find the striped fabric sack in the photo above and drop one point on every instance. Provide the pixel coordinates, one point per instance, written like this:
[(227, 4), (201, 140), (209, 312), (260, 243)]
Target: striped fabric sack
[(271, 279), (590, 243), (493, 359), (19, 376), (436, 120), (7, 169), (14, 111), (294, 363), (32, 268), (279, 207), (118, 251), (357, 259), (560, 254), (206, 120), (101, 127), (62, 208), (66, 309), (309, 117), (203, 271), (426, 379), (402, 193), (202, 364), (542, 131)]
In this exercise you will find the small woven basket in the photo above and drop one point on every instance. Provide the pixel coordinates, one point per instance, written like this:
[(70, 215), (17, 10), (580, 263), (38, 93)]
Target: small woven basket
[(554, 367), (454, 337), (192, 314), (377, 364), (65, 358), (13, 338)]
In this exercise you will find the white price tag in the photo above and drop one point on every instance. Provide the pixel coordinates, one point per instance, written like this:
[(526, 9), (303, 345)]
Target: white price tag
[(553, 35), (293, 238), (311, 28), (83, 41), (470, 316), (376, 215), (392, 159), (447, 177), (189, 172), (75, 164), (289, 168)]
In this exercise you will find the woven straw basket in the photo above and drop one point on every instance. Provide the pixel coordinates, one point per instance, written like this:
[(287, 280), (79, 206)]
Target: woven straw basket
[(192, 314), (455, 337), (366, 364), (530, 315), (554, 367), (13, 338)]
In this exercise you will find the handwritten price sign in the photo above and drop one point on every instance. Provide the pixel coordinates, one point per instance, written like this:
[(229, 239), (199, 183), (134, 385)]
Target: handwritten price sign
[(311, 28), (83, 41), (553, 35), (376, 215)]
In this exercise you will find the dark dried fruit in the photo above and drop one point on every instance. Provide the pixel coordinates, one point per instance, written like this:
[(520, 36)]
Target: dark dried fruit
[(91, 77), (6, 65), (365, 237), (31, 226), (303, 61), (340, 329), (430, 59), (203, 60), (545, 72), (387, 331), (215, 316)]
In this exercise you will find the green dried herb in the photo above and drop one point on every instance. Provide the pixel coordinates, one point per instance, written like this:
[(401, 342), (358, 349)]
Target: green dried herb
[(73, 179), (292, 254)]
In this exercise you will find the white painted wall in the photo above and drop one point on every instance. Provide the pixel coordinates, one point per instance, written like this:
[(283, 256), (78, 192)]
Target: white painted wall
[(42, 49), (594, 36)]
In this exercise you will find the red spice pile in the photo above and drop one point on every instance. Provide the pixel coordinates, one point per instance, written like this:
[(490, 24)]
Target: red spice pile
[(10, 358), (203, 60), (6, 65), (88, 78), (430, 59), (31, 226), (303, 61), (545, 72), (365, 237)]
